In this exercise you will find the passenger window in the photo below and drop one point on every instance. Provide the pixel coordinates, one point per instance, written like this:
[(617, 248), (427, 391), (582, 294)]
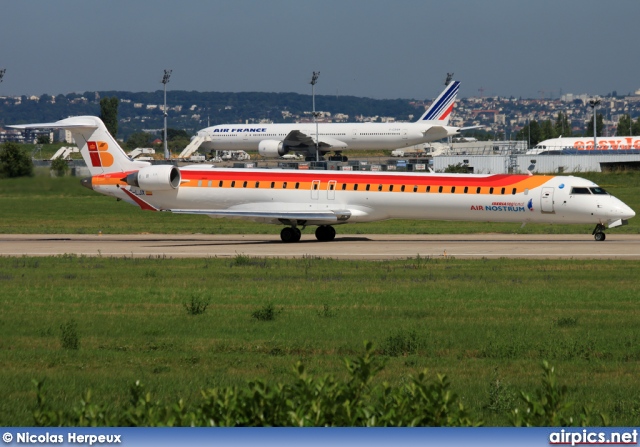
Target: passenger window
[(244, 185), (478, 189), (379, 187), (390, 187), (220, 184), (344, 186), (331, 186), (502, 191), (440, 189), (466, 189), (233, 184), (402, 188), (273, 184), (453, 189), (367, 188), (429, 188), (315, 186), (297, 185), (513, 191), (284, 185), (257, 184), (415, 189), (490, 190)]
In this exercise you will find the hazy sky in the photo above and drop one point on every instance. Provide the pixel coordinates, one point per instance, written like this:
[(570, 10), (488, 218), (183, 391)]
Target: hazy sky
[(372, 48)]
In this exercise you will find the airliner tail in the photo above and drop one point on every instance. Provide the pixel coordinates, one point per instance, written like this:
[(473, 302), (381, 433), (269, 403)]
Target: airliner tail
[(441, 108), (101, 152)]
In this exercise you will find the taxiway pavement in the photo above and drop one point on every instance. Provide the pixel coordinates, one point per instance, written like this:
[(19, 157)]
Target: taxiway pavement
[(371, 246)]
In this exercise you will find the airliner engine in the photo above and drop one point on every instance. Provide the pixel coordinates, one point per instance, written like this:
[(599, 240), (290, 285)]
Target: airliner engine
[(272, 148), (156, 178)]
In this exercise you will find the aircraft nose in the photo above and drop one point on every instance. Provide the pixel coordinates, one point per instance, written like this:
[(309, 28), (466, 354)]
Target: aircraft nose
[(628, 212)]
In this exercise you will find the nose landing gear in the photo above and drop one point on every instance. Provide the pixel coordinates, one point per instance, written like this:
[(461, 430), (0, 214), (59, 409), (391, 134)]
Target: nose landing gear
[(598, 233)]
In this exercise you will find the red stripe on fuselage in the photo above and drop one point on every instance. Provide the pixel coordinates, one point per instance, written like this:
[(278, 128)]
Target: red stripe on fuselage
[(341, 177), (141, 203)]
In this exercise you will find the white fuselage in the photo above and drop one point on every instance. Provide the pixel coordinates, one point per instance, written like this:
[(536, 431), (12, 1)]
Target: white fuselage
[(356, 136), (372, 196), (586, 144)]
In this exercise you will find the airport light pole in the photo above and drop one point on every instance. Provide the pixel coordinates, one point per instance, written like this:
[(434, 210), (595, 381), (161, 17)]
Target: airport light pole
[(165, 80), (314, 80), (594, 104)]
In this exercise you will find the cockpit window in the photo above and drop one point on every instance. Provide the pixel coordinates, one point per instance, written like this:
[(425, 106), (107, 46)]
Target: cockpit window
[(598, 190), (580, 190)]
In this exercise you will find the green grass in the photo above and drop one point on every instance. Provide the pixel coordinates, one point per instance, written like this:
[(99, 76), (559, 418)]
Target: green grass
[(476, 321), (61, 206)]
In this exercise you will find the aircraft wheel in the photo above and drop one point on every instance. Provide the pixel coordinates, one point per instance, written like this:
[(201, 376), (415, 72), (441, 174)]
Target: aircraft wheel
[(599, 236), (297, 234), (325, 233), (288, 234)]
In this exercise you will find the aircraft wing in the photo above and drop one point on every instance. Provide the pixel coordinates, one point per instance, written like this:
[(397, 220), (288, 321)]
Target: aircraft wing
[(285, 217), (438, 132), (297, 138)]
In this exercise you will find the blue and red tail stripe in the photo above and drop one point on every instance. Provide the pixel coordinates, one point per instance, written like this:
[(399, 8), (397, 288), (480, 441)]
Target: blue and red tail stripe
[(443, 105)]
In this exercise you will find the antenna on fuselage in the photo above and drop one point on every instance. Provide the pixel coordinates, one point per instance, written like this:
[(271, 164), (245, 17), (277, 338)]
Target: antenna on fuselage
[(531, 167)]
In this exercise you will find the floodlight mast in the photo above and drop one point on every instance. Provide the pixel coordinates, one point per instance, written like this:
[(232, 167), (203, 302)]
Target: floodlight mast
[(165, 80), (594, 104), (314, 80)]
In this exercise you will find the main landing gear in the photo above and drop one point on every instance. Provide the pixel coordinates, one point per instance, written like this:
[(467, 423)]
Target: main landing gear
[(598, 233), (290, 234), (324, 233)]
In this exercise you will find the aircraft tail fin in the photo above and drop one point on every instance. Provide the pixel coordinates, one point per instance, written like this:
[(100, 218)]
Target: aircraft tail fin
[(100, 151), (441, 108)]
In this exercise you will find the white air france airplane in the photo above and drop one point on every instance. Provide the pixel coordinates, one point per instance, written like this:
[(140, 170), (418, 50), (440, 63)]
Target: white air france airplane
[(276, 140), (296, 198)]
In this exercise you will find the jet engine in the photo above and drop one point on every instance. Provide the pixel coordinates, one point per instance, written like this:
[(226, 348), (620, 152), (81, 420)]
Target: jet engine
[(272, 148), (155, 178)]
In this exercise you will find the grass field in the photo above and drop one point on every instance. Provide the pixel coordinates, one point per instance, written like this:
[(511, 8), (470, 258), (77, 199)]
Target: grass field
[(483, 323), (476, 321)]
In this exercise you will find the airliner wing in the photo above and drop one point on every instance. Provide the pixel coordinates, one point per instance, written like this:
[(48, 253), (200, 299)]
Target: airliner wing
[(297, 138), (437, 132), (287, 217)]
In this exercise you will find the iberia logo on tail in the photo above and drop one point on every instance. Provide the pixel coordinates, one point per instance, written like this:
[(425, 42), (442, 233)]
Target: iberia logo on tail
[(98, 151)]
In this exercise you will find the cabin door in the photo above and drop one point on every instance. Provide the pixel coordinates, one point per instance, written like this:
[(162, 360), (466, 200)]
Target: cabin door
[(331, 190), (546, 200), (315, 189)]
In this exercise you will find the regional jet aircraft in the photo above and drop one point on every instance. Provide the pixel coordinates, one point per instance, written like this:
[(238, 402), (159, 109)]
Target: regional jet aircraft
[(276, 140), (297, 198)]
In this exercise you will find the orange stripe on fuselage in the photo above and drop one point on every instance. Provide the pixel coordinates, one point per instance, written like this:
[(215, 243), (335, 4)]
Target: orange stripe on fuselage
[(496, 181), (304, 181)]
